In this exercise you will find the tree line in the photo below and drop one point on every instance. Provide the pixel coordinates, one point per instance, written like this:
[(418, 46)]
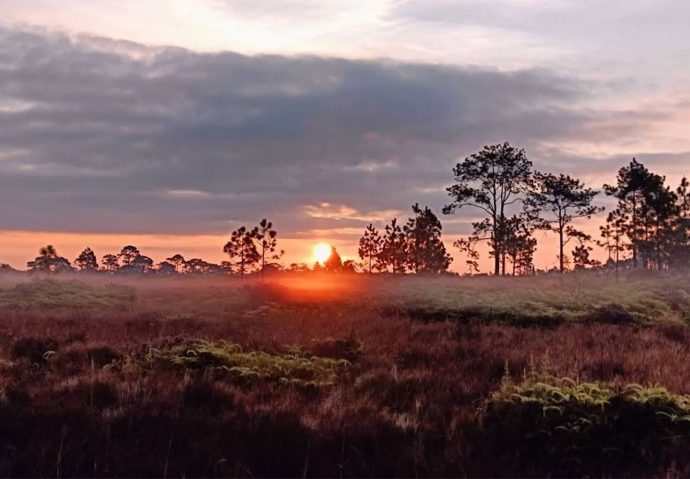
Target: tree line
[(649, 228)]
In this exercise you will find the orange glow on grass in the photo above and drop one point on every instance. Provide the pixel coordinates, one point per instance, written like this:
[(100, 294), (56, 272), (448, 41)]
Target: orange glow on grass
[(322, 251)]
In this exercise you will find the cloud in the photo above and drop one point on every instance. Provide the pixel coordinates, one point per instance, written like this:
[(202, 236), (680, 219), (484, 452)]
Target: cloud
[(615, 37), (344, 212), (108, 136)]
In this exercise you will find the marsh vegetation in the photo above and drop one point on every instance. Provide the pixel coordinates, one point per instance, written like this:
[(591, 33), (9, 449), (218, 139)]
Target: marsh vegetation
[(344, 376)]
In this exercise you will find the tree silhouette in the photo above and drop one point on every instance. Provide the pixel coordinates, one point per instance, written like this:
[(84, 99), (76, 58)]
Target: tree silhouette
[(565, 199), (142, 264), (370, 245), (468, 247), (334, 263), (349, 266), (492, 181), (519, 243), (298, 267), (267, 243), (636, 188), (680, 250), (127, 254), (178, 261), (394, 248), (87, 261), (48, 261), (612, 237), (582, 254), (199, 266), (166, 268), (661, 212), (110, 262), (242, 249), (426, 253)]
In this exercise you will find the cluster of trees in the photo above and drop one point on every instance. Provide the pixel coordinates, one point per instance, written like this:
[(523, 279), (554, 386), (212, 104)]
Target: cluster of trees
[(248, 249), (651, 221), (128, 260), (254, 248), (516, 201), (415, 246)]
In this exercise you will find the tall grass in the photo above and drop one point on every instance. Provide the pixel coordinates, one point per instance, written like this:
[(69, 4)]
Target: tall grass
[(355, 377)]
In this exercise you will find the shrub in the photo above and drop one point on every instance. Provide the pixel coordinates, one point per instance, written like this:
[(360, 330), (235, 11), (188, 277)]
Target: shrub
[(227, 360), (547, 426)]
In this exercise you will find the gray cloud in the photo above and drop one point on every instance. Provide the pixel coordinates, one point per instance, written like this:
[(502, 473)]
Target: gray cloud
[(105, 136)]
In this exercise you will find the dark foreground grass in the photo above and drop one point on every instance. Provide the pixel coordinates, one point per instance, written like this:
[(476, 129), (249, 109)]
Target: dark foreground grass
[(344, 378)]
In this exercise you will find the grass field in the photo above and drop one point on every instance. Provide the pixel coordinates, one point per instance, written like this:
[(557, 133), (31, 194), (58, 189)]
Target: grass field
[(310, 375)]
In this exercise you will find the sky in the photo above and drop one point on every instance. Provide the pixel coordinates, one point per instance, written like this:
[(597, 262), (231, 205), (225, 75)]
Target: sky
[(169, 123)]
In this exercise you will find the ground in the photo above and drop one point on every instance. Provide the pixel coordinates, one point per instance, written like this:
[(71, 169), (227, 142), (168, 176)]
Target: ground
[(323, 375)]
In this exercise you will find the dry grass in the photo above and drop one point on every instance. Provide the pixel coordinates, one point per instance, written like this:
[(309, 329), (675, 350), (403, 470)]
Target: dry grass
[(318, 376)]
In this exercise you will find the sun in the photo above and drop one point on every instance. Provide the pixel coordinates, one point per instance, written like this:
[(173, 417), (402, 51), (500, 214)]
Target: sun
[(322, 251)]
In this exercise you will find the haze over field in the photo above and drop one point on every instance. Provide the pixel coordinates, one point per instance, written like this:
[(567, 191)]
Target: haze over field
[(167, 124)]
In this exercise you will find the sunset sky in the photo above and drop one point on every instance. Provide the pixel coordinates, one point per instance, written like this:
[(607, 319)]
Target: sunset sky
[(166, 124)]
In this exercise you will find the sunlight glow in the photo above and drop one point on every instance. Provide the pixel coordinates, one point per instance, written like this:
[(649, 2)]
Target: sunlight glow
[(322, 251)]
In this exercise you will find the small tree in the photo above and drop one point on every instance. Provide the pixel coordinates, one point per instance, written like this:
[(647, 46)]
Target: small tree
[(178, 261), (349, 266), (142, 264), (87, 261), (267, 243), (582, 254), (565, 199), (242, 249), (199, 266), (298, 268), (370, 247), (426, 253), (334, 263), (468, 247), (110, 262), (49, 261), (394, 248), (520, 244), (127, 254), (612, 234), (680, 250), (166, 268), (643, 202)]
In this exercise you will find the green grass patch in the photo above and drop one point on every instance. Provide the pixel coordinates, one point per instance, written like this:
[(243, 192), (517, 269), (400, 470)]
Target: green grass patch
[(553, 425), (223, 360)]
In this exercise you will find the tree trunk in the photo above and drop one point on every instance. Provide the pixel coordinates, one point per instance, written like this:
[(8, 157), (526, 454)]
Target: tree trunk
[(497, 260), (561, 247), (263, 262)]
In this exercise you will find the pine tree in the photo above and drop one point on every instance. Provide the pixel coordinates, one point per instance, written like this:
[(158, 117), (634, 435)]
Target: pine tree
[(267, 243), (370, 245), (242, 249), (563, 199), (468, 247), (394, 248), (426, 253), (87, 261), (492, 181)]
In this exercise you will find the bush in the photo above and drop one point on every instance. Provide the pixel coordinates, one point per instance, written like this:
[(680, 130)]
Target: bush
[(227, 360), (547, 426)]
